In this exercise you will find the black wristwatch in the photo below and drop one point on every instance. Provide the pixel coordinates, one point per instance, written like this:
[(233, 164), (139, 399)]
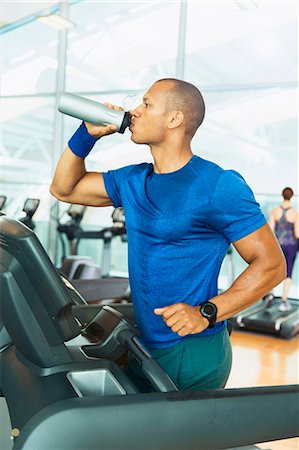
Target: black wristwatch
[(209, 311)]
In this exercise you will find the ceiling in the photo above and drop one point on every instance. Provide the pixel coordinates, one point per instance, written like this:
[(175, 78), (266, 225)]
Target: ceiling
[(244, 61), (13, 11)]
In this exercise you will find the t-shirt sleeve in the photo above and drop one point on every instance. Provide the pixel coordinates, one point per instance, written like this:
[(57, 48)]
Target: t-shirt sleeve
[(234, 210), (114, 181)]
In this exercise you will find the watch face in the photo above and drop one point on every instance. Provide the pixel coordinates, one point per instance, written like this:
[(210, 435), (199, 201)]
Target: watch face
[(209, 309)]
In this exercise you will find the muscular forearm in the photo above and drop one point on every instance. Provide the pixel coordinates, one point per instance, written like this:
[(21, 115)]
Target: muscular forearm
[(249, 287), (69, 171)]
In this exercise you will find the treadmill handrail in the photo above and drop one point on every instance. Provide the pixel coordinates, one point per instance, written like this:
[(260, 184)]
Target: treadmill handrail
[(281, 320)]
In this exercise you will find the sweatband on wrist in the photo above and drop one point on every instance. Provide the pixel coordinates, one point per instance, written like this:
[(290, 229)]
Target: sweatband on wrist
[(81, 143)]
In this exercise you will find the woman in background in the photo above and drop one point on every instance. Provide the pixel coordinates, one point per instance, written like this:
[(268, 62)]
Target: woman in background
[(284, 221)]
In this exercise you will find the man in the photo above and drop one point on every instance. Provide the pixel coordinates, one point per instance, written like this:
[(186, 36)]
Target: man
[(182, 213)]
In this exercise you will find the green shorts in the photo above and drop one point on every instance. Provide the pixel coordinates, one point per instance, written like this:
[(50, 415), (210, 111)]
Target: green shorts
[(194, 363)]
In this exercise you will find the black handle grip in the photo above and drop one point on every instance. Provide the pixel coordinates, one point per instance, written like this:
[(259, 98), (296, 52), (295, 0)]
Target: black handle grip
[(151, 369), (156, 375)]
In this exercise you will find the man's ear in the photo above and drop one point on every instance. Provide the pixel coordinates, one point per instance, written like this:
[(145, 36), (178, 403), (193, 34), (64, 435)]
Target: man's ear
[(176, 118)]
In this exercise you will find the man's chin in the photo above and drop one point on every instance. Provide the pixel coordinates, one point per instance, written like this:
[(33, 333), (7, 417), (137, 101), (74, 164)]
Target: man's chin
[(137, 140)]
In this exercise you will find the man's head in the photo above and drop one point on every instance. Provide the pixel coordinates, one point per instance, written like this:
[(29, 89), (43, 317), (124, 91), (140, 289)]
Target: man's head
[(287, 193), (169, 104), (185, 97)]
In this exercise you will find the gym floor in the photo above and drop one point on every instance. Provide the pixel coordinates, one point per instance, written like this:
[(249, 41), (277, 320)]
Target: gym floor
[(262, 360)]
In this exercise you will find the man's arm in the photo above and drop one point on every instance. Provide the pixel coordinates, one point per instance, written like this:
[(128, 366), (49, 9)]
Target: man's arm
[(271, 220), (266, 270), (71, 183)]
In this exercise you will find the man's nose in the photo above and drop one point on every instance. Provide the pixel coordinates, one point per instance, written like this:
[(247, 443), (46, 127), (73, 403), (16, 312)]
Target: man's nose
[(136, 111)]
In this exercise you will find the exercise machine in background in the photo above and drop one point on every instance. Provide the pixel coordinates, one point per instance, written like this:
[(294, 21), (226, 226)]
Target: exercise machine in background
[(76, 266), (29, 208), (2, 201), (259, 317), (90, 280)]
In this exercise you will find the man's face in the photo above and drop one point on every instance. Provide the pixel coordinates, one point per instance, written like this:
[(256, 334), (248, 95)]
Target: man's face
[(149, 120)]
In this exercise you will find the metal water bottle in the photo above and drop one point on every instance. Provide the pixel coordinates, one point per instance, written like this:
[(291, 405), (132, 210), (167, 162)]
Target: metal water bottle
[(93, 112)]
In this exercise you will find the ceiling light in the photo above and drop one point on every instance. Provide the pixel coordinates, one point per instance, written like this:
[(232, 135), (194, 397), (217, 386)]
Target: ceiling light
[(55, 21), (244, 5)]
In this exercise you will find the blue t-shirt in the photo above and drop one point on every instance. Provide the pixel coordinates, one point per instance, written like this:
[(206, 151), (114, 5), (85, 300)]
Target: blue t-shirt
[(179, 227)]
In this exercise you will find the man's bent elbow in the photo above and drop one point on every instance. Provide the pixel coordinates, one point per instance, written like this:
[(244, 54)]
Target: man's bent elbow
[(56, 193), (53, 191)]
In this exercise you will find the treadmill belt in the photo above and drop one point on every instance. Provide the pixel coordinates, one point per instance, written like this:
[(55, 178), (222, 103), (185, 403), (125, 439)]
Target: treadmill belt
[(267, 317), (270, 320)]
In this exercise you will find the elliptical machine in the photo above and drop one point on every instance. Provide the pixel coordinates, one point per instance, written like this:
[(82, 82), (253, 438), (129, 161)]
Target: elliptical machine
[(75, 266), (29, 208), (83, 267), (88, 278)]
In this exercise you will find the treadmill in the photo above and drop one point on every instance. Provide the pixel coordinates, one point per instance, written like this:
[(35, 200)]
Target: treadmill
[(66, 389), (270, 320)]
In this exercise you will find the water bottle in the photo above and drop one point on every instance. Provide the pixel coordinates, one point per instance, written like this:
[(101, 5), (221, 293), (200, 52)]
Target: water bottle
[(93, 112)]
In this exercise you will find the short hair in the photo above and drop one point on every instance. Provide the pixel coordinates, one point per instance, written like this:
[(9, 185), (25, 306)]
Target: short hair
[(187, 98), (287, 193)]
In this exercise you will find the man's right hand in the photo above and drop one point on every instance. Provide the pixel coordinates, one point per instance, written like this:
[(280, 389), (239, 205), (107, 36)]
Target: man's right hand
[(99, 131), (72, 184)]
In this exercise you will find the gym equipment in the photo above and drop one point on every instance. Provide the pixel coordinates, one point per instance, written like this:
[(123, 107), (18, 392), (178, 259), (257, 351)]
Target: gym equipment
[(75, 266), (119, 220), (65, 391), (83, 267), (71, 228), (85, 274), (2, 201), (230, 266), (264, 319), (29, 208), (93, 112)]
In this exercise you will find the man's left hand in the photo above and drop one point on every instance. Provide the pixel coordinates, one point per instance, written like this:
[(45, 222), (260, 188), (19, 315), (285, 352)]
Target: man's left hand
[(183, 319)]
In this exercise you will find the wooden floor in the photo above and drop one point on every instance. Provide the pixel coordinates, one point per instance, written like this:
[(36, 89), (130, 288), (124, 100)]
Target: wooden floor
[(261, 360)]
